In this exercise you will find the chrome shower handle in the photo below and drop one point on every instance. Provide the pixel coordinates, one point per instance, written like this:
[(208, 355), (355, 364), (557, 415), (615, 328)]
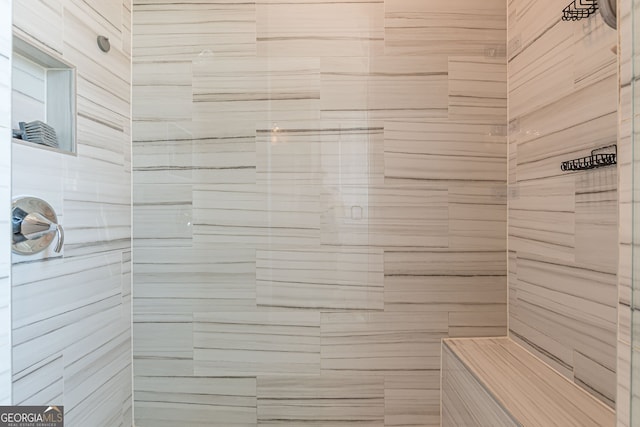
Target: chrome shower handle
[(34, 221), (60, 233)]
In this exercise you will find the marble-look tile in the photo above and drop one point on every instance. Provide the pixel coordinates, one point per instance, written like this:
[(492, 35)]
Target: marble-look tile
[(393, 215), (94, 282), (371, 343), (542, 218), (75, 348), (563, 104), (284, 157), (477, 216), (113, 75), (167, 401), (455, 293), (47, 386), (597, 379), (384, 87), (412, 399), (420, 262), (479, 323), (163, 91), (190, 30), (41, 22), (464, 399), (529, 71), (92, 228), (183, 280), (170, 339), (478, 89), (263, 215), (523, 386), (326, 278), (290, 154), (455, 151), (257, 89), (320, 28), (327, 400), (591, 68), (585, 117), (257, 343), (163, 214), (352, 153), (5, 201), (560, 308), (596, 216), (415, 27), (625, 381)]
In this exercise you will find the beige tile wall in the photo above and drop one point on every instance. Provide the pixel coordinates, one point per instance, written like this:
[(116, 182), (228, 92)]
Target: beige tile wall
[(626, 216), (320, 197), (72, 312), (563, 253), (5, 202)]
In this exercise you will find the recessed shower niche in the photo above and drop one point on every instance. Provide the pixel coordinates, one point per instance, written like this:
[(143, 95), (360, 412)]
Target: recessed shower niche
[(43, 99)]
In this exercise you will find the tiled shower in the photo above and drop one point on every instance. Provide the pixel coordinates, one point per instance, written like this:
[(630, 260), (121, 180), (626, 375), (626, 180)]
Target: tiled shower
[(330, 182), (320, 192)]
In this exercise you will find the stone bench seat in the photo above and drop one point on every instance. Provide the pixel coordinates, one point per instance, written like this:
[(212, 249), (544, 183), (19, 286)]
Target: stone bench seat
[(496, 382)]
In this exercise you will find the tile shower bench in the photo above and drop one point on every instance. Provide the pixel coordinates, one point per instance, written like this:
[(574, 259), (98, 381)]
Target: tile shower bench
[(495, 382)]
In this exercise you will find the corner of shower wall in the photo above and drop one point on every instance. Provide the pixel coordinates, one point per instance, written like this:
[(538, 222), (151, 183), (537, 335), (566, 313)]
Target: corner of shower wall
[(563, 227), (71, 316), (5, 202)]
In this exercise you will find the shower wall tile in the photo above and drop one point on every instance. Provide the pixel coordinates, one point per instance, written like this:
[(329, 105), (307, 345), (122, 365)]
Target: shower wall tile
[(40, 22), (256, 343), (170, 31), (478, 88), (393, 215), (596, 216), (445, 281), (320, 28), (348, 205), (256, 89), (222, 401), (166, 207), (477, 215), (626, 380), (563, 227), (371, 343), (415, 27), (385, 87), (289, 215), (71, 312), (330, 400), (456, 151), (179, 281), (352, 153), (627, 350), (213, 152), (5, 201), (329, 278), (450, 294), (553, 55), (412, 399)]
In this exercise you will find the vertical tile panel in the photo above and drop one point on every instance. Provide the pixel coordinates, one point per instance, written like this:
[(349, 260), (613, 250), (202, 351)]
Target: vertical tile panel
[(5, 202), (563, 104), (340, 171), (73, 347)]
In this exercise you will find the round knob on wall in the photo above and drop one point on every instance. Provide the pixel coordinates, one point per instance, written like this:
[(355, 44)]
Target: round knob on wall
[(104, 44)]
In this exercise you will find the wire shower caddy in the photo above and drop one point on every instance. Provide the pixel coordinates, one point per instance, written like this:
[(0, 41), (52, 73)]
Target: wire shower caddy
[(579, 9)]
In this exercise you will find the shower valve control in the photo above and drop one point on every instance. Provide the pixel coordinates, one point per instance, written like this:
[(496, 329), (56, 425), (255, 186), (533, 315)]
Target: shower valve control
[(35, 226)]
